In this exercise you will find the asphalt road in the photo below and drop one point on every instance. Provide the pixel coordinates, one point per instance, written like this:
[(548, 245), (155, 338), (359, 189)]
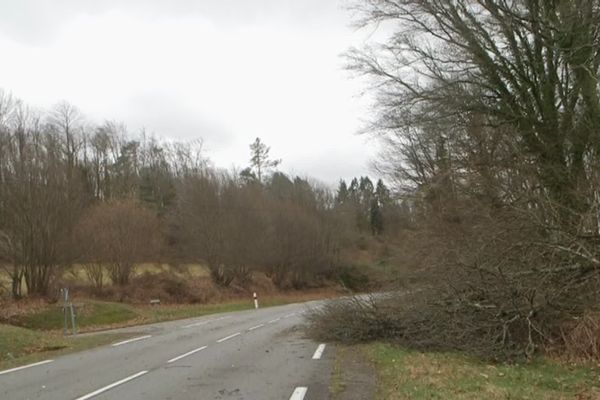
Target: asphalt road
[(251, 355)]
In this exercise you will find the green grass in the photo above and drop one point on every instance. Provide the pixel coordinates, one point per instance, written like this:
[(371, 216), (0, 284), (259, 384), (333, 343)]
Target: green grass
[(173, 312), (90, 314), (406, 374), (20, 346), (96, 315)]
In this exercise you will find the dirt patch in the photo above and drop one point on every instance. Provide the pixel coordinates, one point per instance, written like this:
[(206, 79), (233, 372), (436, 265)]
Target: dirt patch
[(354, 376)]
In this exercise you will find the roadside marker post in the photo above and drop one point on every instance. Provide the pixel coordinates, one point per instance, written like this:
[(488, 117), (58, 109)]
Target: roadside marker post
[(255, 301), (65, 292), (73, 323), (68, 309)]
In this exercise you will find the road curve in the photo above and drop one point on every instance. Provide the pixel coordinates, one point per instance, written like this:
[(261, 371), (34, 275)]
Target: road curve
[(251, 355)]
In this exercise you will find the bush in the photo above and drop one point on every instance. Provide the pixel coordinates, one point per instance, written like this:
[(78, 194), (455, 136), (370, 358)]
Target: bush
[(354, 320), (168, 288), (422, 320), (582, 339), (354, 278)]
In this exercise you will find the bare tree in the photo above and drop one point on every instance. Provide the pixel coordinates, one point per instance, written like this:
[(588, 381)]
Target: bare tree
[(196, 224), (118, 235), (489, 113), (40, 201), (496, 62)]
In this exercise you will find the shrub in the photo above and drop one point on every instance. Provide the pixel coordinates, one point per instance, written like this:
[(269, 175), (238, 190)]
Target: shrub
[(582, 338), (422, 320), (354, 278)]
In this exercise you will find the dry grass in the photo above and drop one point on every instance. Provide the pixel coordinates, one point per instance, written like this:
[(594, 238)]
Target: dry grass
[(77, 274), (94, 315), (582, 337), (405, 375)]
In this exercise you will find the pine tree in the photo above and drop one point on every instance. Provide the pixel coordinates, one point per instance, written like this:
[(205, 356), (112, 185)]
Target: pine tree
[(376, 217), (342, 193), (382, 193), (260, 160)]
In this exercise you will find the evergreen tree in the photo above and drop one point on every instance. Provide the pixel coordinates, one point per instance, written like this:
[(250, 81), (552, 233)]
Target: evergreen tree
[(382, 193), (353, 190), (247, 176), (342, 193), (376, 217), (260, 160)]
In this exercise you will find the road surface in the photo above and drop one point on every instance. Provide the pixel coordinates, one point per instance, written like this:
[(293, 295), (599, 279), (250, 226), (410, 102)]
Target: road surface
[(251, 355)]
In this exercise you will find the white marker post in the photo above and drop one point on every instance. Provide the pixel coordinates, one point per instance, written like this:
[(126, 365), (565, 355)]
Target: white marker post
[(255, 300)]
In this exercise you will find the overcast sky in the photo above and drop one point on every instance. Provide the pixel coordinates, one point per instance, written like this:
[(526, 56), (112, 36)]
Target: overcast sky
[(225, 71)]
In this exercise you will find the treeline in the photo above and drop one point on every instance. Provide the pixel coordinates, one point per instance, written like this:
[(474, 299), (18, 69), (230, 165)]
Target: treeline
[(371, 207), (61, 176), (74, 192)]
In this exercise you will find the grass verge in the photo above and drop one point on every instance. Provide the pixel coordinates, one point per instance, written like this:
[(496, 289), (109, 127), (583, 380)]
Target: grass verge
[(150, 314), (404, 374), (90, 314), (338, 383), (95, 315), (19, 346)]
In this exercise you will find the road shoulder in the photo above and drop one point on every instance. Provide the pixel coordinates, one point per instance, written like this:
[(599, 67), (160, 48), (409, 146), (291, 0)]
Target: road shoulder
[(353, 376)]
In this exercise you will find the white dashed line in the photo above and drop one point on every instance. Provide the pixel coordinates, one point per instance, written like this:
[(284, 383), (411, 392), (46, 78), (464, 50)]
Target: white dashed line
[(273, 320), (204, 322), (256, 327), (112, 385), (196, 324), (25, 367), (131, 340), (319, 352), (289, 315), (228, 337), (299, 393), (189, 353)]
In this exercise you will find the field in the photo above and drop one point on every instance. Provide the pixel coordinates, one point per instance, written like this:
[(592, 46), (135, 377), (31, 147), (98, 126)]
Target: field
[(77, 272), (402, 375)]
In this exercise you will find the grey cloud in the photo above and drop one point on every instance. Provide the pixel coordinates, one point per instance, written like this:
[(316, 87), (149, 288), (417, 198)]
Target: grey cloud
[(330, 166), (165, 115), (37, 22)]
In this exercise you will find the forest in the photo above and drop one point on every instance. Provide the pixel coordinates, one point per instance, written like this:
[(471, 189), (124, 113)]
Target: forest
[(98, 197)]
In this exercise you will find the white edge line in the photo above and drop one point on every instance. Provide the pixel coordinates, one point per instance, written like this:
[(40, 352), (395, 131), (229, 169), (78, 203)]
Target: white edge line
[(256, 327), (289, 315), (25, 366), (228, 337), (112, 385), (299, 393), (189, 353), (131, 340), (273, 320), (319, 352)]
